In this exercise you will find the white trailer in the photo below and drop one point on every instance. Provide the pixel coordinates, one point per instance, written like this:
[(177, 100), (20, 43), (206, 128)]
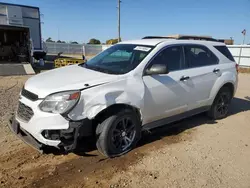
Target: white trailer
[(20, 35)]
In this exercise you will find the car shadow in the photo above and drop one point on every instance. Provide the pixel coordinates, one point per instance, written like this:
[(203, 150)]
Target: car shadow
[(238, 105)]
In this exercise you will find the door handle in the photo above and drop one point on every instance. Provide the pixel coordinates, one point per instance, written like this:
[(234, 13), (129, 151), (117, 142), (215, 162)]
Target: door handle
[(216, 70), (184, 78)]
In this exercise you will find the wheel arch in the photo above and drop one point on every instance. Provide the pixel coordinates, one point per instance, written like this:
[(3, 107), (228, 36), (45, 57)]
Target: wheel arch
[(226, 79), (115, 108), (230, 86), (111, 110), (214, 92)]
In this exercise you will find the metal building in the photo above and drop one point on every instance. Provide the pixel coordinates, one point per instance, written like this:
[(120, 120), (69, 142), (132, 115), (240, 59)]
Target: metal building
[(23, 16), (20, 38)]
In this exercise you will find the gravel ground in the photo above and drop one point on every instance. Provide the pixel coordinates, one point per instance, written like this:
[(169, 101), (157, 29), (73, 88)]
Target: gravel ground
[(195, 152)]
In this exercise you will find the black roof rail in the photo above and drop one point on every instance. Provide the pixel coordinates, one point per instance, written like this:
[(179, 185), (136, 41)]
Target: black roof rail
[(197, 38), (183, 37), (157, 37)]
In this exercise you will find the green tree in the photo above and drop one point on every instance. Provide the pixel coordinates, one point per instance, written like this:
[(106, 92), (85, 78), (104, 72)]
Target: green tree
[(74, 42), (49, 40), (94, 41), (112, 41), (59, 41)]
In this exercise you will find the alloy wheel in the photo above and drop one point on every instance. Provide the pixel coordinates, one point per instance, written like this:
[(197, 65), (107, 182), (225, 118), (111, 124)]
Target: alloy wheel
[(223, 105), (123, 134)]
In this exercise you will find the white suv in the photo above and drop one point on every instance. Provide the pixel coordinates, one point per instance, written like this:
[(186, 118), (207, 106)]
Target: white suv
[(129, 87)]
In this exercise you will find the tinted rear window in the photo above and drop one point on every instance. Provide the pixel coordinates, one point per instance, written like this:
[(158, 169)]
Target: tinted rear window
[(224, 50), (198, 56)]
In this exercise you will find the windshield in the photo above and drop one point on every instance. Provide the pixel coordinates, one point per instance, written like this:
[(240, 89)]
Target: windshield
[(118, 59)]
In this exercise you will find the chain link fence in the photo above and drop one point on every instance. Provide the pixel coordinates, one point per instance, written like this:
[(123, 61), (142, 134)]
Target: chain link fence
[(74, 49), (91, 50), (55, 48)]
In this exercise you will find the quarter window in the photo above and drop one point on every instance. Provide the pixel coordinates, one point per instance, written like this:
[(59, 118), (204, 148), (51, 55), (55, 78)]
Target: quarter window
[(198, 56), (171, 56), (224, 50)]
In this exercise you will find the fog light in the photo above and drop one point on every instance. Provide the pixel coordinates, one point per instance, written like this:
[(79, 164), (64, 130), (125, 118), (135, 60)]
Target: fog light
[(67, 134), (51, 134)]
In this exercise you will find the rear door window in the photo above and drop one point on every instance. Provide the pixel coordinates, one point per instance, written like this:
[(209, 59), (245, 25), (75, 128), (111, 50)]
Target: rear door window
[(198, 56), (224, 50)]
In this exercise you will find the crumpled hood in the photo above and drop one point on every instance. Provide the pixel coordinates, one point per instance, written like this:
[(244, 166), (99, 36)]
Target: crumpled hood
[(71, 77)]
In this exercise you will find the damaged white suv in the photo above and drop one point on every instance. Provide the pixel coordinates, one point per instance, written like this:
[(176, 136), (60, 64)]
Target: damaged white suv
[(129, 87)]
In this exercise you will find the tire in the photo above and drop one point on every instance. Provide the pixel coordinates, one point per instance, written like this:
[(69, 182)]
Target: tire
[(118, 133), (220, 106)]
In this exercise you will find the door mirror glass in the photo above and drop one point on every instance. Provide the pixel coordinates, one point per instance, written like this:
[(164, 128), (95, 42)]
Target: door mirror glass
[(157, 69)]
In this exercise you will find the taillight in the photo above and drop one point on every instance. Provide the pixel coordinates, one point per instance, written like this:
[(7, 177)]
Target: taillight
[(237, 67)]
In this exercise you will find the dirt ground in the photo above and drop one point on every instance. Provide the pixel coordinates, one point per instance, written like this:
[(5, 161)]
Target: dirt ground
[(195, 152)]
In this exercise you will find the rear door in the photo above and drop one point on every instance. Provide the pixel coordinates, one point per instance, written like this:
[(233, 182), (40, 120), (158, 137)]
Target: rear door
[(202, 72)]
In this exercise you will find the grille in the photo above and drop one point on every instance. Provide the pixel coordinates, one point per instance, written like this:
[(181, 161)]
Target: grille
[(27, 94), (24, 112)]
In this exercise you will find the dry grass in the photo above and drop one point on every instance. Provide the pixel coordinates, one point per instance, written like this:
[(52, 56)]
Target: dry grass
[(244, 70)]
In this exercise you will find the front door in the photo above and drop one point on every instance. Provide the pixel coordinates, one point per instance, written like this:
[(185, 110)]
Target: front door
[(165, 95)]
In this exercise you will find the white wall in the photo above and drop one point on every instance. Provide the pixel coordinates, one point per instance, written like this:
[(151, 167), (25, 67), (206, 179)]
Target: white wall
[(245, 54)]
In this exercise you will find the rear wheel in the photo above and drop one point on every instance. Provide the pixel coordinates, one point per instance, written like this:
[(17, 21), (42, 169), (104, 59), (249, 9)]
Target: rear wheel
[(118, 134), (220, 106)]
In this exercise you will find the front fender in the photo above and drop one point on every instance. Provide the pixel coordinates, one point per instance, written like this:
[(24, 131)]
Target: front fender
[(128, 91)]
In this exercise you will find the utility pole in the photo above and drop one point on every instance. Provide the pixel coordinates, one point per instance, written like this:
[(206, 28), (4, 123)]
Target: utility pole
[(119, 20), (58, 33), (244, 37)]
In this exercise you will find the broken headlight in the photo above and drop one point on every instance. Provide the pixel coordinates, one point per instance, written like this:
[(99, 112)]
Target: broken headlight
[(60, 103)]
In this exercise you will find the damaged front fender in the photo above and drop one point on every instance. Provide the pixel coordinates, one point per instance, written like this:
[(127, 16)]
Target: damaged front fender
[(94, 100)]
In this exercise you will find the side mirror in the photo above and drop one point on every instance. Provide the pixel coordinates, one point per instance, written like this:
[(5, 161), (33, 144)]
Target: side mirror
[(157, 69)]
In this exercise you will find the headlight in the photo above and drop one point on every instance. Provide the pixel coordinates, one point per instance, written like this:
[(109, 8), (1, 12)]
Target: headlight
[(60, 103)]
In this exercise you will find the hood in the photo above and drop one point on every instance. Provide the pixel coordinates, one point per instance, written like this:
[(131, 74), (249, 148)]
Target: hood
[(71, 77)]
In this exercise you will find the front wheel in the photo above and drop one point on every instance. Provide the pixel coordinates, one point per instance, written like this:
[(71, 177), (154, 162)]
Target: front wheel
[(118, 134), (220, 106)]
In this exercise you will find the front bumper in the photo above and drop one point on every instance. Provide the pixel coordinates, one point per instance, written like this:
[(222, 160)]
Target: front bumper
[(68, 138), (24, 135), (42, 130)]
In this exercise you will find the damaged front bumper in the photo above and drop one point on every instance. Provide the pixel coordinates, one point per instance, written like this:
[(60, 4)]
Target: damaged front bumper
[(68, 138), (24, 135)]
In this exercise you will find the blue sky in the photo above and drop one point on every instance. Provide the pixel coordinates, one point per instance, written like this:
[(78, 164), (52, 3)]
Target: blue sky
[(80, 20)]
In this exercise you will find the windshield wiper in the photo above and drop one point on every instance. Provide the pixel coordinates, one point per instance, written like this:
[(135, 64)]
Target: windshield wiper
[(103, 70), (99, 69), (83, 64)]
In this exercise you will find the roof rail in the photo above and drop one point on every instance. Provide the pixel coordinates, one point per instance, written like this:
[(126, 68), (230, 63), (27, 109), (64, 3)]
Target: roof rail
[(157, 37), (183, 37)]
